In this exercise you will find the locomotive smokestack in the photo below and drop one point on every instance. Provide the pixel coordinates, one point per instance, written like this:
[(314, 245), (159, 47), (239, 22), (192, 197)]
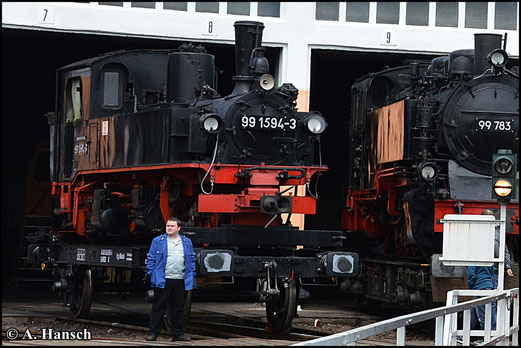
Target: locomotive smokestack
[(248, 36), (483, 45)]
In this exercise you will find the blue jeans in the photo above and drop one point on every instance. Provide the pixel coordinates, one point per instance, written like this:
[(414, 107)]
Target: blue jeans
[(478, 314), (474, 319)]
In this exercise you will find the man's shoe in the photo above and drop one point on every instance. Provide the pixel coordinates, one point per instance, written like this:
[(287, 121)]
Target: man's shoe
[(181, 338), (151, 337)]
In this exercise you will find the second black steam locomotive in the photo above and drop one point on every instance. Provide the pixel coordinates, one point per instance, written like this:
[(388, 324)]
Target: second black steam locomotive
[(142, 135), (422, 137)]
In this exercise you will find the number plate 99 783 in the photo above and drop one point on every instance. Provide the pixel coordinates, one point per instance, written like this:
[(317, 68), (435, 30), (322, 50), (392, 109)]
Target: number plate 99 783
[(487, 125)]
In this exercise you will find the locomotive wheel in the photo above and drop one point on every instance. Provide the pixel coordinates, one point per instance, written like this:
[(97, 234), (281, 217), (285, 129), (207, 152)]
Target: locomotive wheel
[(188, 308), (281, 309), (81, 293)]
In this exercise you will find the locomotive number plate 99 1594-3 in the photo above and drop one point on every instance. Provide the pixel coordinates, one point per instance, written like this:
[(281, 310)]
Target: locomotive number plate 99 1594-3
[(494, 125), (268, 122)]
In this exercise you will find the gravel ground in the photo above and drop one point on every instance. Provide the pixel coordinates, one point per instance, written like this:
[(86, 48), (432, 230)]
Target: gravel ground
[(412, 338), (97, 331), (35, 326)]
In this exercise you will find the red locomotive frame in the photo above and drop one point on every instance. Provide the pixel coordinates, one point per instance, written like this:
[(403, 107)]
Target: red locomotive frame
[(243, 206)]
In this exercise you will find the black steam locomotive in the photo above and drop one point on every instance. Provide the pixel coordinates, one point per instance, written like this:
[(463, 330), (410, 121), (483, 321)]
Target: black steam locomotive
[(422, 137), (139, 136)]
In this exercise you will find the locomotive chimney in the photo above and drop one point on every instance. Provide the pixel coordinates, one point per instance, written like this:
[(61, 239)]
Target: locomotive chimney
[(483, 45), (248, 36)]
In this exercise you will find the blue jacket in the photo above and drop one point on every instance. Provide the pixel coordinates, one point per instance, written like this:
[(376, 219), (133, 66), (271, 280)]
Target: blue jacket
[(496, 251), (480, 277), (156, 261)]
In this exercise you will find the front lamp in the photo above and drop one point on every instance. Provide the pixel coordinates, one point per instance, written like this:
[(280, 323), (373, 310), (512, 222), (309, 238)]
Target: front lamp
[(211, 123), (316, 124), (502, 187), (498, 58), (428, 171)]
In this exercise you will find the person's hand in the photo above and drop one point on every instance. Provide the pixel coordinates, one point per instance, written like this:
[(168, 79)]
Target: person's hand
[(509, 272)]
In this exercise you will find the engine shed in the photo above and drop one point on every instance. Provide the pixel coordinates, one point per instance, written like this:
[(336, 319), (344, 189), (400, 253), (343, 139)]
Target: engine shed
[(322, 48)]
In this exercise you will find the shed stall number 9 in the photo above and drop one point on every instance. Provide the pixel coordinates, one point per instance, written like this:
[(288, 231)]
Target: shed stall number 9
[(495, 125), (267, 122)]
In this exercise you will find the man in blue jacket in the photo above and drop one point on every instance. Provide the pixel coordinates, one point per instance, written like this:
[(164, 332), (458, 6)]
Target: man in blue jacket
[(171, 267)]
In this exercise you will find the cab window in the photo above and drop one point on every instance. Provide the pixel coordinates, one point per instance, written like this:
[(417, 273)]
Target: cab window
[(110, 89), (112, 80), (73, 102)]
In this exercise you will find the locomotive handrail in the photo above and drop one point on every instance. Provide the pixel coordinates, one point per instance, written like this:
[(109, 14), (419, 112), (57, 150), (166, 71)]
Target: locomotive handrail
[(487, 112)]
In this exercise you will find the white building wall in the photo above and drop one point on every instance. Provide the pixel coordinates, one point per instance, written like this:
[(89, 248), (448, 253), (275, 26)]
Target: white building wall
[(296, 31)]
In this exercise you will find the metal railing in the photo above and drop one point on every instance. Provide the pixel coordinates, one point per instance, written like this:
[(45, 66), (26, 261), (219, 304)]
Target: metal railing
[(446, 321)]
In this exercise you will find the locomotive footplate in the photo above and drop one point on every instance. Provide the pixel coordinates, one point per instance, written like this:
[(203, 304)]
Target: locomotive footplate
[(89, 255), (280, 236)]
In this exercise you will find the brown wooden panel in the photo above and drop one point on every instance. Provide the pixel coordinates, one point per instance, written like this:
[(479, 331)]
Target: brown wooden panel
[(390, 133)]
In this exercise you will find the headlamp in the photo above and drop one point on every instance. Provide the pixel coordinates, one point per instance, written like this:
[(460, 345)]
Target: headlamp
[(428, 171), (211, 123), (498, 58), (316, 124)]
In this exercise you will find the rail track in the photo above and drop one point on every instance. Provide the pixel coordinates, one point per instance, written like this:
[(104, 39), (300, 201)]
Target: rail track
[(207, 329), (200, 331), (208, 325)]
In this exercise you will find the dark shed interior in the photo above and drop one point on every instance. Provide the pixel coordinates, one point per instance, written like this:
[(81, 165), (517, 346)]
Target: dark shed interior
[(30, 59)]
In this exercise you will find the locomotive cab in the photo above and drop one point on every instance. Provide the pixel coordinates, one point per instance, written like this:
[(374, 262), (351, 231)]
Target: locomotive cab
[(86, 132)]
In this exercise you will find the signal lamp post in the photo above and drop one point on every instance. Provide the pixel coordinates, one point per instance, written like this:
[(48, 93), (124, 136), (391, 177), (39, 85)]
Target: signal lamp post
[(504, 170)]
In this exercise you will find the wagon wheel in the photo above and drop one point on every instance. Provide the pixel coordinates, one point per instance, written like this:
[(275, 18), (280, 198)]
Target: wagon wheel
[(281, 309), (187, 309), (81, 293)]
